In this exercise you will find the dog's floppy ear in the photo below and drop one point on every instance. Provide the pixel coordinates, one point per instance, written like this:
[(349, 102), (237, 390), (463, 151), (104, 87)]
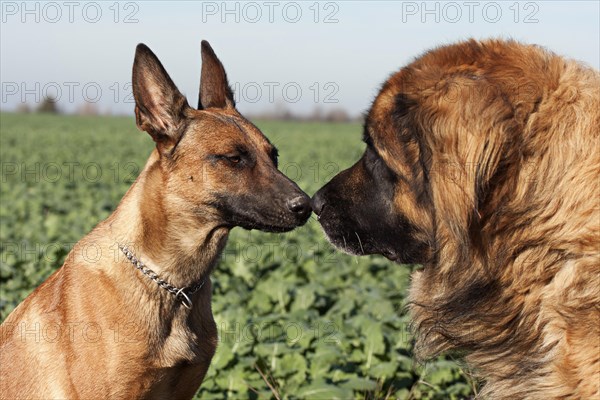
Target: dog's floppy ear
[(159, 106), (473, 138), (214, 89)]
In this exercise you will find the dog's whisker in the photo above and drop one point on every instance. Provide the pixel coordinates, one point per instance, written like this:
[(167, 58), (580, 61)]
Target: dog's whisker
[(359, 242)]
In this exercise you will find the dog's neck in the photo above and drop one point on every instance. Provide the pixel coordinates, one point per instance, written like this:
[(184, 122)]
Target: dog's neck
[(180, 250)]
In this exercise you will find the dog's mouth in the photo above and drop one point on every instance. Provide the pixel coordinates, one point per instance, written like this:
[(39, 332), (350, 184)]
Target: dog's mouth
[(348, 237), (352, 242), (357, 244), (264, 227)]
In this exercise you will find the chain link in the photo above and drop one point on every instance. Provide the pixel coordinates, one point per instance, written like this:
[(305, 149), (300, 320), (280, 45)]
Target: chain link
[(182, 293)]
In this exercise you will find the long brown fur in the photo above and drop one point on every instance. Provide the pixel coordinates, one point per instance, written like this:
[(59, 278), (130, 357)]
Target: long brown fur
[(499, 147)]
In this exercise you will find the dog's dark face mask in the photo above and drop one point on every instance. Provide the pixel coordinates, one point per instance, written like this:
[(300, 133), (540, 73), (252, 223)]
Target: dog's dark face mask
[(357, 212)]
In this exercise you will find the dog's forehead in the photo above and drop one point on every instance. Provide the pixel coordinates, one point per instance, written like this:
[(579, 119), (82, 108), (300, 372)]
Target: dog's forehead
[(222, 127)]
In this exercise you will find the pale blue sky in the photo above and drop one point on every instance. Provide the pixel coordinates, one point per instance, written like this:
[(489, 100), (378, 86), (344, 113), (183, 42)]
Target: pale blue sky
[(345, 60)]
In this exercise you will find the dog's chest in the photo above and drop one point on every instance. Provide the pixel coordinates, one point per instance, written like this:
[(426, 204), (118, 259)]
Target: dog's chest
[(179, 382), (182, 360)]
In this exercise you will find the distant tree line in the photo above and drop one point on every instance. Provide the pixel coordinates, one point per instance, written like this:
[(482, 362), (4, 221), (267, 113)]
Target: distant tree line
[(49, 105), (279, 112)]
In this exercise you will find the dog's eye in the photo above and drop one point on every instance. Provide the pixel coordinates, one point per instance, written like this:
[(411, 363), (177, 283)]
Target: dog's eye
[(237, 157), (234, 159)]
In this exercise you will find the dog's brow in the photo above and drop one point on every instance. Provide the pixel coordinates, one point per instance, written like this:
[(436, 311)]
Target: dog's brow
[(229, 120), (233, 120)]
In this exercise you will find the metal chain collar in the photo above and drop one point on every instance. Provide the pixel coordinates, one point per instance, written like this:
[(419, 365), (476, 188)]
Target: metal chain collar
[(183, 293)]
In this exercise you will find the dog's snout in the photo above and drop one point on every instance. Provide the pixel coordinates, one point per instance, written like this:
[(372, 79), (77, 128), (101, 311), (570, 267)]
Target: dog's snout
[(318, 203), (299, 205)]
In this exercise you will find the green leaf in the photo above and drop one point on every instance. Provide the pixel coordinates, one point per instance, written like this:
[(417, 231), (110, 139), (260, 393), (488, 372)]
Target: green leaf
[(360, 384), (374, 342), (440, 373), (323, 358), (383, 370), (321, 390), (222, 357), (304, 298), (293, 367)]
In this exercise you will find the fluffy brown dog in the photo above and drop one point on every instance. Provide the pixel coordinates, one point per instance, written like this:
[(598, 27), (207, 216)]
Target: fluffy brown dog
[(483, 164), (105, 326)]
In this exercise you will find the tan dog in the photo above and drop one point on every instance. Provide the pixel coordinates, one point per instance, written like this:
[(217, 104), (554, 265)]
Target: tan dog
[(136, 321), (483, 164)]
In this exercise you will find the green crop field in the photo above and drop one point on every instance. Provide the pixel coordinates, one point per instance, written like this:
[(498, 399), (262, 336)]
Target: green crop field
[(293, 313)]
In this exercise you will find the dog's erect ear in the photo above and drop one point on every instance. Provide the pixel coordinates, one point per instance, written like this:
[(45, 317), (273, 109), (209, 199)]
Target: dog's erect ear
[(214, 89), (159, 106)]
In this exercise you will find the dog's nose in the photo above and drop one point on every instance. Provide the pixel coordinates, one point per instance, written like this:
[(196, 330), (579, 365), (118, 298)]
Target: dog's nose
[(317, 203), (299, 205)]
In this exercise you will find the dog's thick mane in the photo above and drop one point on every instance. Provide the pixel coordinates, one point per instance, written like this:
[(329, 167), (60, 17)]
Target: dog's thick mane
[(505, 139)]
